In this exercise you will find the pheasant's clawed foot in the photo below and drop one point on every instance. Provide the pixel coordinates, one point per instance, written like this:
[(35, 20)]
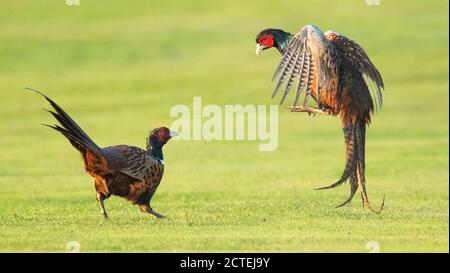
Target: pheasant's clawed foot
[(309, 110), (160, 216), (147, 208), (105, 216), (100, 199)]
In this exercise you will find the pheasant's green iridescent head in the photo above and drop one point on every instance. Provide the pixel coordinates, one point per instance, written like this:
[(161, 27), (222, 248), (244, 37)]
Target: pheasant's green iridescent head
[(270, 37)]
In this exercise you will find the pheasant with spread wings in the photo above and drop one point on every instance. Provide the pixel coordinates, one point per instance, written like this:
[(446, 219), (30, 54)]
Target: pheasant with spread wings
[(126, 171), (336, 73)]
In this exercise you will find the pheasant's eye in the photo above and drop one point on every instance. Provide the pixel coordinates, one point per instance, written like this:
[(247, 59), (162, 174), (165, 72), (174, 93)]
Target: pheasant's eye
[(163, 134)]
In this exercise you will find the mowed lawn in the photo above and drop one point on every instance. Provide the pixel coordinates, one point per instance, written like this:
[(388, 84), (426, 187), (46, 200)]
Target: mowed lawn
[(119, 66)]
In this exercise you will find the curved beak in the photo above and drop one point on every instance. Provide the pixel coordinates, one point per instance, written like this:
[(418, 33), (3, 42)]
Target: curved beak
[(259, 48), (173, 134)]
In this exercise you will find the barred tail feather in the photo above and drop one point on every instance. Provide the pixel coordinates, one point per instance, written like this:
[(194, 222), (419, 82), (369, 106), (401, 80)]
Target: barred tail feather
[(355, 133), (360, 170), (69, 128), (351, 156)]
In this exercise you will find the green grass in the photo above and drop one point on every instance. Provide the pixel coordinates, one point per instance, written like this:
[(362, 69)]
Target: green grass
[(119, 66)]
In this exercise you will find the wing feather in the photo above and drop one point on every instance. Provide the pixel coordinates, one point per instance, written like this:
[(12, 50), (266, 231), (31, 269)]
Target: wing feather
[(356, 55), (130, 160), (303, 71), (287, 63), (308, 55), (309, 81), (294, 73)]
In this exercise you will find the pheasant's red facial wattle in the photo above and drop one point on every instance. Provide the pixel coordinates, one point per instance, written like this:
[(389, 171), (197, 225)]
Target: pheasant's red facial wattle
[(266, 40)]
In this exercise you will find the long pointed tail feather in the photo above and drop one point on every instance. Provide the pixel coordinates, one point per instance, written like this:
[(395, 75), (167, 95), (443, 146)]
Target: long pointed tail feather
[(355, 134), (351, 155), (69, 128), (353, 188), (76, 142), (360, 167)]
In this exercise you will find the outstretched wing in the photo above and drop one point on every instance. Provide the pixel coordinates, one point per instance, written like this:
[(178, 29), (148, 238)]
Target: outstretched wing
[(356, 55), (311, 60)]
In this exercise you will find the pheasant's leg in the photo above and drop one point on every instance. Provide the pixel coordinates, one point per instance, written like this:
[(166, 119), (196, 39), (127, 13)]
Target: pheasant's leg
[(309, 110), (157, 214), (147, 208), (102, 193), (100, 198)]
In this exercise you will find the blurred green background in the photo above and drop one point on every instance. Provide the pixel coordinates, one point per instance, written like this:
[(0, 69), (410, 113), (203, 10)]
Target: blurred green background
[(119, 66)]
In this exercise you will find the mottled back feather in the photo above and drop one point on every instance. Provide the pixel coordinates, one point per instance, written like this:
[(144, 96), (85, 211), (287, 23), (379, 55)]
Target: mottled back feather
[(356, 55), (131, 160)]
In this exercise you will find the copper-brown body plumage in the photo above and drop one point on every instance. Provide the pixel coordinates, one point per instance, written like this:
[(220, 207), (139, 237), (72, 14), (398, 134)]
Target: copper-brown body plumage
[(122, 170)]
